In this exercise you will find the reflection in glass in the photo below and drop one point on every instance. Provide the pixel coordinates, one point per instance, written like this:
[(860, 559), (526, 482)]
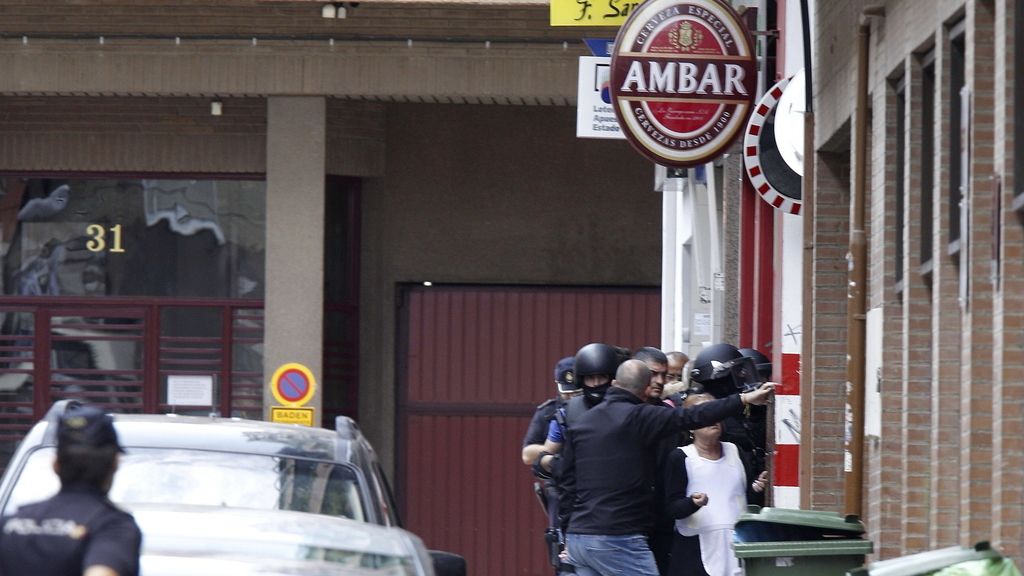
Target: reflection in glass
[(97, 356), (201, 478), (179, 238)]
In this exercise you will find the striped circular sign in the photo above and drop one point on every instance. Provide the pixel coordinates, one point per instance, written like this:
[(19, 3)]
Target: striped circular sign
[(769, 174), (683, 79)]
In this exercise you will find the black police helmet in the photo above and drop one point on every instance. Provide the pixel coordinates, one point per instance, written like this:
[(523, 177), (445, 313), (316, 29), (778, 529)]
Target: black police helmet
[(595, 359), (705, 365), (764, 365)]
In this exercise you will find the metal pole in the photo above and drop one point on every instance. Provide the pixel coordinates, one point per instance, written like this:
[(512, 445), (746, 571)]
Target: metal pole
[(853, 453)]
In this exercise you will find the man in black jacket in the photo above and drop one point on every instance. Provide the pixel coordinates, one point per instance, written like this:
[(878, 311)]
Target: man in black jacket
[(607, 471)]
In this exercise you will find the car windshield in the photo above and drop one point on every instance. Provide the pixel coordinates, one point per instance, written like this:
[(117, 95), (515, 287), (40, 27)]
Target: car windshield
[(209, 478)]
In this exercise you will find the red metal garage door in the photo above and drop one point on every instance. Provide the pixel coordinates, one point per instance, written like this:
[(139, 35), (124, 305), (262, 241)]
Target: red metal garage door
[(473, 364)]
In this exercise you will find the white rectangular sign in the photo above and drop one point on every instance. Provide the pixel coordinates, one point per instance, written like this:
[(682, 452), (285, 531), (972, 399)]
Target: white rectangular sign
[(595, 117), (194, 390)]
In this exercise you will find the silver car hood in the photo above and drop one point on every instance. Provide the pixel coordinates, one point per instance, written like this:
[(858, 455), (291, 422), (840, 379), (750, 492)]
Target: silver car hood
[(320, 543)]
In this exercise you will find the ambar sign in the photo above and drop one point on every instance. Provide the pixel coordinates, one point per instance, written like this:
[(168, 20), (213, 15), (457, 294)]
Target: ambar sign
[(683, 79)]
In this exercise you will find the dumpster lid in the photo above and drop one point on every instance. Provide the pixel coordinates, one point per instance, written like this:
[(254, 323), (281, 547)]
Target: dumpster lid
[(927, 562), (833, 547), (827, 523)]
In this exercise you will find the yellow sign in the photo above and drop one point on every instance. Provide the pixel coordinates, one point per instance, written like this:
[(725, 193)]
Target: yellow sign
[(591, 12), (293, 385), (282, 415)]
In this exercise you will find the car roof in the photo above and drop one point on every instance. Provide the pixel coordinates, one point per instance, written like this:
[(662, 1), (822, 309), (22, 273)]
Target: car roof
[(238, 435)]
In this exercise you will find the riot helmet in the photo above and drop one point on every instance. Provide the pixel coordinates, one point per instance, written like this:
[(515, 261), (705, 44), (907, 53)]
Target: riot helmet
[(595, 359), (722, 370), (763, 364)]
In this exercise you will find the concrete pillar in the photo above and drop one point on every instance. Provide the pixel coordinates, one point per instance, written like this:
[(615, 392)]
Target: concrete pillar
[(296, 136)]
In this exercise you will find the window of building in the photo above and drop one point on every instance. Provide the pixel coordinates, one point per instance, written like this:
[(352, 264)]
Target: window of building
[(899, 189), (1018, 111), (132, 237), (956, 142), (927, 175)]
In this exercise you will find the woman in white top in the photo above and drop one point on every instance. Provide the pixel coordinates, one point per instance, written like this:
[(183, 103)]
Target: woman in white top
[(708, 485)]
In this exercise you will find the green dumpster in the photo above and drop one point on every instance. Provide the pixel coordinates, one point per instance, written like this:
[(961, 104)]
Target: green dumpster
[(981, 560), (785, 542)]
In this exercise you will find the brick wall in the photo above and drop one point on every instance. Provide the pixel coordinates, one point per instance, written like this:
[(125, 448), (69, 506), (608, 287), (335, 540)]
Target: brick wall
[(945, 457), (915, 335), (171, 135), (949, 463), (826, 364), (885, 483), (1008, 309), (976, 346)]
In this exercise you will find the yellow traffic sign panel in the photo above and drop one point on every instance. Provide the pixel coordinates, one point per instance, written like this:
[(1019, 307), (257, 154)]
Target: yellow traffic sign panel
[(284, 415), (591, 12)]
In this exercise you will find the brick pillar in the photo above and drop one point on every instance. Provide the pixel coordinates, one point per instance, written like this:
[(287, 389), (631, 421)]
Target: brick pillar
[(976, 348), (824, 372), (916, 337), (945, 311), (1008, 308), (883, 453)]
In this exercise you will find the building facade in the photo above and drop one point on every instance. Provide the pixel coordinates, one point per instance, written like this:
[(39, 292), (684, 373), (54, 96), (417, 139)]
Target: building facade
[(195, 193), (943, 348)]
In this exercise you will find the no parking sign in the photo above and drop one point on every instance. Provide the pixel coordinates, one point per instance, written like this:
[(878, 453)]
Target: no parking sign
[(292, 385)]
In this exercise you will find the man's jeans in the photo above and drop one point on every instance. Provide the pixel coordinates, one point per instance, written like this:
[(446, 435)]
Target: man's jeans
[(627, 555)]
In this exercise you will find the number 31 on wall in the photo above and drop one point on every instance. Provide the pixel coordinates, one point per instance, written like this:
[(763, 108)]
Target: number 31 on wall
[(98, 238)]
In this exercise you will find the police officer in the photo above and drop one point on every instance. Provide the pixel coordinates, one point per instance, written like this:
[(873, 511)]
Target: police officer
[(594, 368), (763, 364), (533, 446), (722, 370), (661, 536), (78, 532), (606, 470), (565, 385)]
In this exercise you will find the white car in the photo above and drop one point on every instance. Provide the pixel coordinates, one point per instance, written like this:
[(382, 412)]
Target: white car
[(199, 540), (240, 486)]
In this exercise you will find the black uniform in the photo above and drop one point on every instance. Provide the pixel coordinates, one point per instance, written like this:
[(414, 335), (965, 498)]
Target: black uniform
[(621, 434), (538, 430), (537, 433), (62, 536)]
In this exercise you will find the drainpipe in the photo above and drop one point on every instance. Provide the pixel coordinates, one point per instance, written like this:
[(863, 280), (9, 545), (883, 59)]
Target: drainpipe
[(856, 308)]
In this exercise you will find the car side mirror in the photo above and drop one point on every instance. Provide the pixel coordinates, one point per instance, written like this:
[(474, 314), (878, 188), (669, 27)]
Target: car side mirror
[(448, 564)]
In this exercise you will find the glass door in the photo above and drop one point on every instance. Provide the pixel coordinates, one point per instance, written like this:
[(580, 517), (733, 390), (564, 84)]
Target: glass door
[(95, 354)]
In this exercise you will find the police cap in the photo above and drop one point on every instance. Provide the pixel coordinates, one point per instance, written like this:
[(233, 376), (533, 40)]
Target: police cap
[(87, 426)]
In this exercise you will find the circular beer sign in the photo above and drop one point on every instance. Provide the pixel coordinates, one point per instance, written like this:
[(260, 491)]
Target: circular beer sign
[(683, 79)]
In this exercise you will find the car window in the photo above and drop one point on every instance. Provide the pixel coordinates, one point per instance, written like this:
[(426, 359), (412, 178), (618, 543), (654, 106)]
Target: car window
[(209, 478), (384, 494)]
